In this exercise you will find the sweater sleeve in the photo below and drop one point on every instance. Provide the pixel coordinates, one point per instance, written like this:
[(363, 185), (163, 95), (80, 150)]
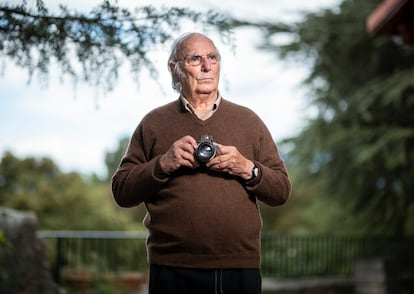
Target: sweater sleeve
[(137, 177), (272, 185)]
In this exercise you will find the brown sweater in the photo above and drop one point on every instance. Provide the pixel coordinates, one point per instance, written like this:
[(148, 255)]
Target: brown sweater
[(199, 218)]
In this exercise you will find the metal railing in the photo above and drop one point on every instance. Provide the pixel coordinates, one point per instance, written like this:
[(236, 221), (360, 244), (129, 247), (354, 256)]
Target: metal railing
[(300, 256), (100, 252)]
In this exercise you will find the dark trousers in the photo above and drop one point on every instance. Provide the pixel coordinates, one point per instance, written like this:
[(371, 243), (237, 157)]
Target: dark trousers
[(173, 280)]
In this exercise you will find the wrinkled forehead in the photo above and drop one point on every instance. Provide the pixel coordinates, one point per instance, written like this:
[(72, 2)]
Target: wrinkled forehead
[(197, 44)]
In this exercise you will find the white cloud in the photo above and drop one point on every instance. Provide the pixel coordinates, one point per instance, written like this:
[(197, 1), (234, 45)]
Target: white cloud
[(67, 126)]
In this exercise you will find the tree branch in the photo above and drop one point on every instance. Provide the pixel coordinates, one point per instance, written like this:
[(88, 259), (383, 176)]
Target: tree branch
[(99, 40)]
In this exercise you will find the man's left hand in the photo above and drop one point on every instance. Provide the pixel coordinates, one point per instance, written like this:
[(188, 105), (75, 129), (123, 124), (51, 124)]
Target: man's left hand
[(228, 159)]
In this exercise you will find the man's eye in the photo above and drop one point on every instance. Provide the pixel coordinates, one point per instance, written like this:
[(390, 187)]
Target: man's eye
[(195, 58), (212, 57)]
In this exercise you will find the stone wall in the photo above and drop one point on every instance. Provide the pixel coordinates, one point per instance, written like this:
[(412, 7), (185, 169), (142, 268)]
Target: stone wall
[(378, 276), (315, 285), (370, 276), (23, 264)]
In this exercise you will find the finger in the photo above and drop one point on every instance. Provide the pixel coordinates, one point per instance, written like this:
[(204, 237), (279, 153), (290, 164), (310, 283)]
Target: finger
[(218, 162), (189, 140), (188, 148), (189, 156), (189, 164)]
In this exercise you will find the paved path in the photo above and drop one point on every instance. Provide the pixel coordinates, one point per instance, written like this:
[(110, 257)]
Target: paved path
[(272, 286)]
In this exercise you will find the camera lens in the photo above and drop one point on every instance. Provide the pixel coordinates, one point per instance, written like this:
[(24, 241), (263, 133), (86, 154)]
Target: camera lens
[(205, 151)]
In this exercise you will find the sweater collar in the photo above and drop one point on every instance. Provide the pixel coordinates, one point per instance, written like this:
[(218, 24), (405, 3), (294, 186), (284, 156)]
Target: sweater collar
[(207, 115)]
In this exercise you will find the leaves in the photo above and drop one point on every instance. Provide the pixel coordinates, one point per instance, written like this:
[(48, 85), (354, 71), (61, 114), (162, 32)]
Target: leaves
[(62, 201), (92, 46), (358, 147)]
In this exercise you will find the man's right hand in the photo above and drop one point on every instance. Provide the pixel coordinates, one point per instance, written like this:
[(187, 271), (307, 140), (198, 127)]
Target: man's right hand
[(181, 153)]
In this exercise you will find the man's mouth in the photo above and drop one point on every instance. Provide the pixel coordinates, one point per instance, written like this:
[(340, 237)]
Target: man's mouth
[(204, 78)]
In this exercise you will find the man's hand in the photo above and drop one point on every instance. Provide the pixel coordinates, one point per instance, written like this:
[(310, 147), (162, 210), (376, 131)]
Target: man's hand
[(181, 153), (228, 159)]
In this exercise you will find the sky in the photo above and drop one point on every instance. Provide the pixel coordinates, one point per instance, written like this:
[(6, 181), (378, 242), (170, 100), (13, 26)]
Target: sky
[(75, 127)]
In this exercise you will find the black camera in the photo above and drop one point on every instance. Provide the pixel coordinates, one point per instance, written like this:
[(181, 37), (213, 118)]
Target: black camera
[(205, 150)]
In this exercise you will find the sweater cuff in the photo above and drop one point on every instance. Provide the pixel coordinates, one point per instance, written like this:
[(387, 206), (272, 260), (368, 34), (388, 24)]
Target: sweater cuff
[(158, 172), (255, 180)]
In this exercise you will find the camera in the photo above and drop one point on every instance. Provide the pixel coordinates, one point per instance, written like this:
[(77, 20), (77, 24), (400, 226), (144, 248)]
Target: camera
[(205, 150)]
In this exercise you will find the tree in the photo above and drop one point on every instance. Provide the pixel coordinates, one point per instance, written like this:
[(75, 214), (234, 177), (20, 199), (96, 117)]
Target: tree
[(62, 201), (92, 46), (113, 158), (358, 146), (112, 161)]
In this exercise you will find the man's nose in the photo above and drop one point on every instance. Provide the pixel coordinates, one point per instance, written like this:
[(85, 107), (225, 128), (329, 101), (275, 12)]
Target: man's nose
[(205, 64)]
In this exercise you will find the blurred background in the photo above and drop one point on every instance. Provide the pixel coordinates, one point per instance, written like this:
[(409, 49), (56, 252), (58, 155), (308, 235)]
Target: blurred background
[(333, 80)]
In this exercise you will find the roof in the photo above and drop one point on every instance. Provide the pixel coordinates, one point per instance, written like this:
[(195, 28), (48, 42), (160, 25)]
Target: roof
[(394, 17)]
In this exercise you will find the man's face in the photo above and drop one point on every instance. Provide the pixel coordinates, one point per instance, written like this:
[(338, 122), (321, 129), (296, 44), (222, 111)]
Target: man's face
[(202, 78)]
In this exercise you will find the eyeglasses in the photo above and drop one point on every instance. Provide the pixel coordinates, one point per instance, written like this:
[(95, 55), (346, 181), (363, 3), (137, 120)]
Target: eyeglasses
[(194, 60)]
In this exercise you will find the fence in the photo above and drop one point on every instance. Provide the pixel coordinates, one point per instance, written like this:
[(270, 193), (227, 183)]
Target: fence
[(300, 256), (282, 255)]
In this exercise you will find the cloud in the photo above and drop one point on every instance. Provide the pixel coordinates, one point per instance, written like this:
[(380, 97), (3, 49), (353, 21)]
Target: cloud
[(75, 128)]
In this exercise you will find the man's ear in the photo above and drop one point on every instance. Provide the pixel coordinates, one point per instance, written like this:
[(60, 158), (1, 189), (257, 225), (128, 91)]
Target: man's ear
[(175, 76), (171, 66)]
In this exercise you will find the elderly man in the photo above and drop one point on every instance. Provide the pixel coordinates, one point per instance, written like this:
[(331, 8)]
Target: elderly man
[(199, 164)]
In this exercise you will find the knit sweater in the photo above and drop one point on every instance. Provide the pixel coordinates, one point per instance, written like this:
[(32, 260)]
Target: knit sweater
[(200, 218)]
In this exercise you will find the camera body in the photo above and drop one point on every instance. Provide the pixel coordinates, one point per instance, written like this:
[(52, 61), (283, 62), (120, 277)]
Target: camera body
[(205, 150)]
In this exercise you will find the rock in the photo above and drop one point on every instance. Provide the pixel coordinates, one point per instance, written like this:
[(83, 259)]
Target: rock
[(23, 261), (376, 275)]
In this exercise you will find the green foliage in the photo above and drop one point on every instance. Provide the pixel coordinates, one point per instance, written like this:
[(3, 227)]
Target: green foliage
[(62, 201), (352, 165), (358, 145), (112, 161), (92, 46), (113, 158)]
